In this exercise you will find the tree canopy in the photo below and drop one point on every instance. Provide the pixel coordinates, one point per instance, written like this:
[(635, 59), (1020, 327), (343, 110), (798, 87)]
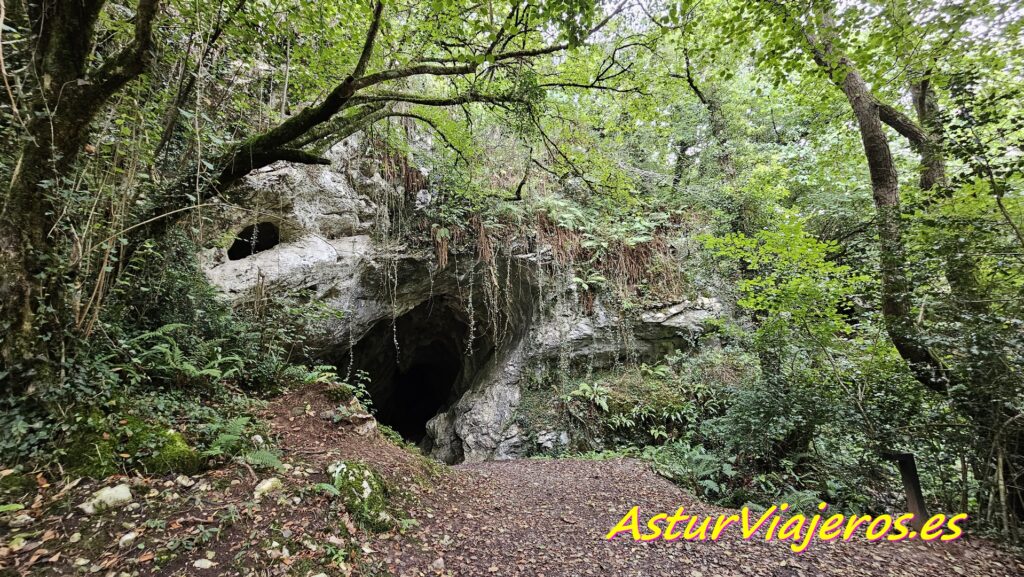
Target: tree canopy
[(848, 175)]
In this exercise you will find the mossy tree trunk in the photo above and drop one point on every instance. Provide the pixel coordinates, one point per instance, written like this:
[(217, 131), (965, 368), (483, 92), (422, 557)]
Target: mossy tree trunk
[(56, 113)]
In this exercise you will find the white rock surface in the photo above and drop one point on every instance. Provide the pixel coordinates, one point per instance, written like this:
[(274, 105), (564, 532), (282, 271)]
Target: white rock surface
[(127, 540), (267, 486), (107, 498)]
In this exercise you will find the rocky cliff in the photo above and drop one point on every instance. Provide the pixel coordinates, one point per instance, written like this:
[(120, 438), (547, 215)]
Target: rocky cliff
[(445, 350)]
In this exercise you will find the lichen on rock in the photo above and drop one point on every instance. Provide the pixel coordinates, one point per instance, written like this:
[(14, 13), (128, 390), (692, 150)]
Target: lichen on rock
[(364, 494)]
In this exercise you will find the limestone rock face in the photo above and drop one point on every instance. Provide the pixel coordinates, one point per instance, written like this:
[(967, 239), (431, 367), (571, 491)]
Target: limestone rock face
[(686, 315), (338, 244)]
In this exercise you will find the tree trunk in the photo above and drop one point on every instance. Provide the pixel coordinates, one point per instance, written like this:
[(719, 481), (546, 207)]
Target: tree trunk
[(52, 141), (896, 301), (911, 487), (680, 166), (61, 108)]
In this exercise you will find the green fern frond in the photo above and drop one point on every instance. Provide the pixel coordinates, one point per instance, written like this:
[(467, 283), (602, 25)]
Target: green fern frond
[(264, 459)]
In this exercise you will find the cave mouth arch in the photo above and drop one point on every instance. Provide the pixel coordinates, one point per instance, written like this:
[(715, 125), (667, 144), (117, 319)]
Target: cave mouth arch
[(253, 239), (417, 365)]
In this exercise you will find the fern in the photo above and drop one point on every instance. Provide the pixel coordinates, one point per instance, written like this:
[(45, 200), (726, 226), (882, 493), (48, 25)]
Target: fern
[(236, 426), (229, 437), (264, 459), (321, 374), (328, 488), (596, 394)]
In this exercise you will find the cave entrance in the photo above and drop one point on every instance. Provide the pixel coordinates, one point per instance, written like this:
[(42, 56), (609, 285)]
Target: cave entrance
[(253, 239), (416, 365)]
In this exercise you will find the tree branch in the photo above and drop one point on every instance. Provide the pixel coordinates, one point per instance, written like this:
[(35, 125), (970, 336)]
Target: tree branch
[(902, 124), (439, 132), (185, 91), (531, 52), (417, 70), (338, 124), (130, 61), (592, 86), (351, 127), (471, 96), (371, 37)]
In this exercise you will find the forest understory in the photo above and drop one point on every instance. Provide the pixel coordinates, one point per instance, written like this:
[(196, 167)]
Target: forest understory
[(533, 517)]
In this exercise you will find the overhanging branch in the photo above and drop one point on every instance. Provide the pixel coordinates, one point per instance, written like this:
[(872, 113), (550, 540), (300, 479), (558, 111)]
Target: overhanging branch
[(434, 126), (471, 96)]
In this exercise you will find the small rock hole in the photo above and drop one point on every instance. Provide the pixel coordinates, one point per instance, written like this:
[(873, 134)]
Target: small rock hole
[(253, 239)]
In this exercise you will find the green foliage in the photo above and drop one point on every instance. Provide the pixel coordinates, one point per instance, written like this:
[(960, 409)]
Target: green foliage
[(698, 149), (694, 468), (595, 394), (264, 459), (228, 437), (358, 386), (173, 355), (160, 353), (792, 283)]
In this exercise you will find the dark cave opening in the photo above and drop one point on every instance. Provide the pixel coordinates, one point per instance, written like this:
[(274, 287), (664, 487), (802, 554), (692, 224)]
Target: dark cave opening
[(253, 239), (420, 392), (416, 365)]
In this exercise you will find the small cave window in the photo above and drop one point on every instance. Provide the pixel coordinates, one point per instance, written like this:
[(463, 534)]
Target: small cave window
[(253, 239)]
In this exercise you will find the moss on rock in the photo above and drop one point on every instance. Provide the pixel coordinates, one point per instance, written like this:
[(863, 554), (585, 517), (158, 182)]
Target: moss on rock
[(340, 392), (91, 452), (99, 450), (364, 493), (172, 455)]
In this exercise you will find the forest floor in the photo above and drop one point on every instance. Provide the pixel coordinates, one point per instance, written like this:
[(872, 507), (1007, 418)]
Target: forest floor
[(528, 517)]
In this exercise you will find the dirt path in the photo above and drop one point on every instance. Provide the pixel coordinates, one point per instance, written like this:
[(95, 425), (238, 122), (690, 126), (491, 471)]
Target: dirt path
[(549, 518), (530, 517)]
